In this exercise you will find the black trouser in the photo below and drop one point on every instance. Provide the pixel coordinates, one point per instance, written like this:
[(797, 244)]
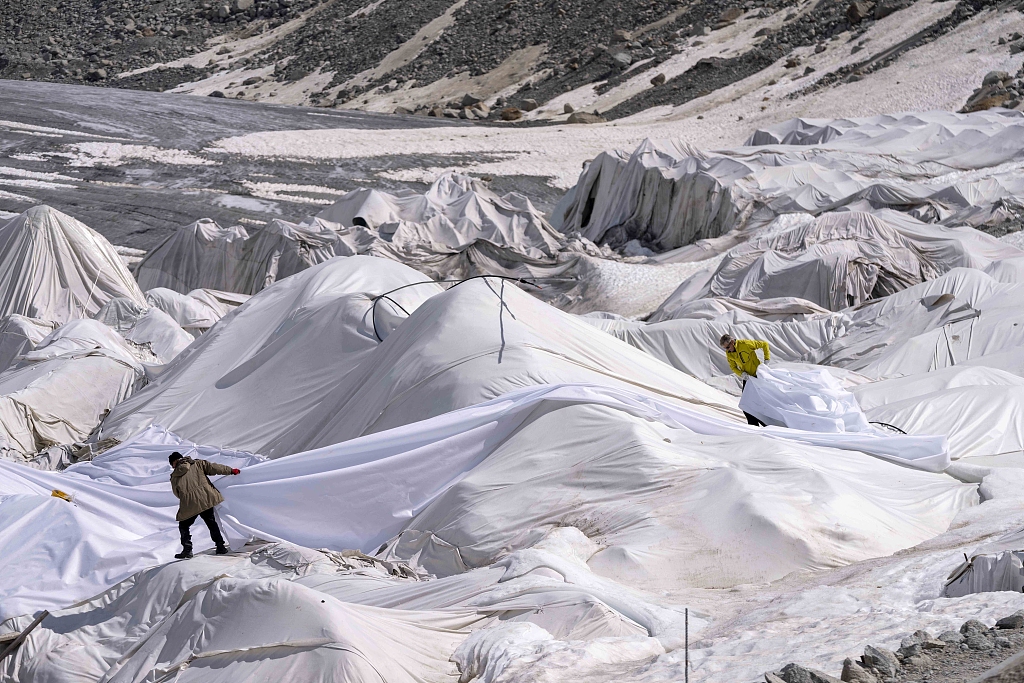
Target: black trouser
[(751, 420), (211, 523)]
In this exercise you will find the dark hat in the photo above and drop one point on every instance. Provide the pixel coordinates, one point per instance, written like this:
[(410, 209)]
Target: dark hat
[(174, 457)]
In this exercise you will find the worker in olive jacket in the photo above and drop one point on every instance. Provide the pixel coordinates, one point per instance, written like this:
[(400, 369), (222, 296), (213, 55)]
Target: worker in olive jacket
[(191, 484), (744, 361)]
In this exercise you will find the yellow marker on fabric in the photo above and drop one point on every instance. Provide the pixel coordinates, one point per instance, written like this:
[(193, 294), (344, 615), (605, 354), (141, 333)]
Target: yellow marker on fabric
[(57, 493)]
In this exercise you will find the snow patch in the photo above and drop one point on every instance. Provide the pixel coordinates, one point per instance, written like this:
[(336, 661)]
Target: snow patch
[(92, 154)]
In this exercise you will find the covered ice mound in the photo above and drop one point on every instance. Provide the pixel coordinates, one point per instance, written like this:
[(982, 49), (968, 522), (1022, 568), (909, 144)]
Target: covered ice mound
[(835, 261), (268, 363), (781, 309), (206, 255), (691, 345), (668, 194), (459, 229), (406, 630), (55, 268), (58, 392), (197, 311), (980, 410), (738, 509), (475, 342), (456, 213), (961, 317), (148, 328), (20, 334), (252, 616), (994, 566)]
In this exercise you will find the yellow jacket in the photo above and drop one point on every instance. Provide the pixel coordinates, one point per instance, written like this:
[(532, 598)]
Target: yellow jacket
[(743, 359)]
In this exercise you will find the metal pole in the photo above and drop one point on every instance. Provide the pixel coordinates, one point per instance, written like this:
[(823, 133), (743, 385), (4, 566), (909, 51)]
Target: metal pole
[(24, 634), (686, 664)]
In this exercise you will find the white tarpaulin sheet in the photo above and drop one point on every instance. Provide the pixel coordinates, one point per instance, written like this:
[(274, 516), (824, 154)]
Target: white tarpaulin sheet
[(692, 345), (668, 193), (58, 392), (197, 311), (995, 566), (206, 255), (811, 400), (19, 335), (361, 493), (56, 268), (270, 362)]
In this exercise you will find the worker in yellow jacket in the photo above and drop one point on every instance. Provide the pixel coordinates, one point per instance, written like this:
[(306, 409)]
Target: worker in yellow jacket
[(744, 361)]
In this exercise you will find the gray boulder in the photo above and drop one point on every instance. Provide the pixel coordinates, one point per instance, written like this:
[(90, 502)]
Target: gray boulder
[(979, 642), (881, 661), (1015, 620), (855, 673), (585, 117), (568, 108), (859, 11), (951, 637), (973, 625), (529, 105), (658, 80), (794, 673), (995, 77)]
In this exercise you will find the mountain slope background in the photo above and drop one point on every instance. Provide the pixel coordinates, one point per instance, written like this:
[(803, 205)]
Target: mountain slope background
[(543, 60)]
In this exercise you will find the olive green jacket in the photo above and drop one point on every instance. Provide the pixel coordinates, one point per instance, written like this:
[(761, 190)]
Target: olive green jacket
[(192, 486)]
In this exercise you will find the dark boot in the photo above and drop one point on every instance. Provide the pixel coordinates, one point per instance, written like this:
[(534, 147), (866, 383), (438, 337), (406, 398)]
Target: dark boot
[(222, 550), (185, 554)]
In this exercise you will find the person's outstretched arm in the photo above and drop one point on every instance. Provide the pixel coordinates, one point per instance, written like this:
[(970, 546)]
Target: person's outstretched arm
[(763, 345), (214, 468)]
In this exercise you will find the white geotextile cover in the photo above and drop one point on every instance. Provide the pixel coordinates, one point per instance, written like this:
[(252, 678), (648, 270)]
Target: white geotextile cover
[(691, 345), (994, 566), (361, 493), (121, 520), (272, 360), (475, 342), (148, 328), (812, 400), (978, 421), (414, 625), (979, 409), (1000, 571), (779, 309), (197, 311), (962, 317), (19, 334), (59, 392), (834, 261), (457, 229), (454, 214), (668, 194), (55, 268), (206, 255), (1007, 270)]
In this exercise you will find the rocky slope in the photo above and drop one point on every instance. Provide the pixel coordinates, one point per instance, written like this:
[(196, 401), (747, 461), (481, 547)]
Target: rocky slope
[(440, 57)]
